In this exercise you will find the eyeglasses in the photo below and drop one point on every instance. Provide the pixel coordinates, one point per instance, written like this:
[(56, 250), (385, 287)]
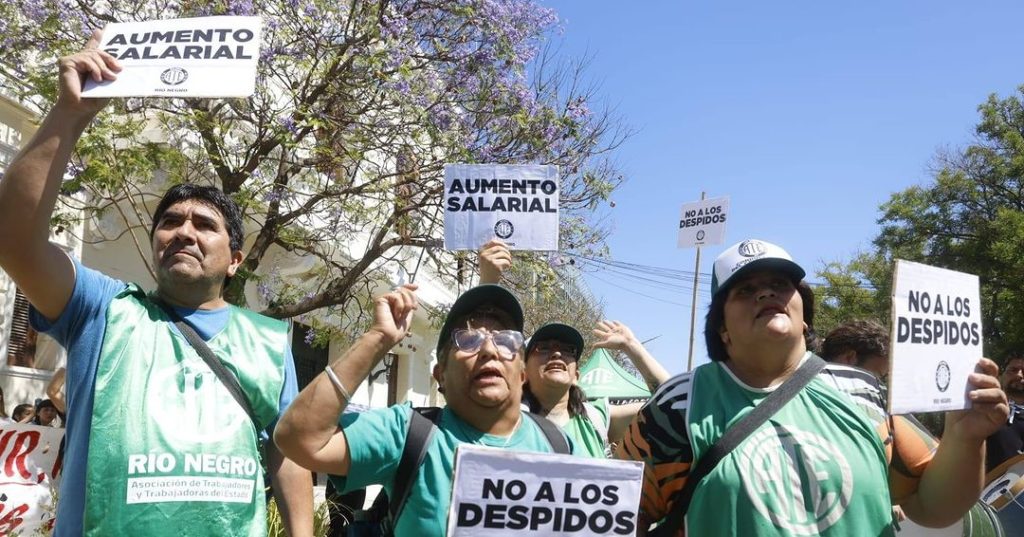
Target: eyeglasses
[(508, 342), (547, 348)]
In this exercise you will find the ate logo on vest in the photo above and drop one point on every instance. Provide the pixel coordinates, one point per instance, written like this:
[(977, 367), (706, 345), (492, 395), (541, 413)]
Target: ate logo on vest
[(796, 479), (196, 406)]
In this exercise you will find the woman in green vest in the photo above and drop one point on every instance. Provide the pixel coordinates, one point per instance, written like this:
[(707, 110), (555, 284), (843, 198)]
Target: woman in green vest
[(552, 371)]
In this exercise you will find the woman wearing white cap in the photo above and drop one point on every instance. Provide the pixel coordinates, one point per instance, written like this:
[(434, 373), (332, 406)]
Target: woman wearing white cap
[(830, 461)]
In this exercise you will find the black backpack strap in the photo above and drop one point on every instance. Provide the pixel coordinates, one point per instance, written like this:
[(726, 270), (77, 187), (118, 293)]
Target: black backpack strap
[(552, 432), (422, 427), (227, 378), (732, 438)]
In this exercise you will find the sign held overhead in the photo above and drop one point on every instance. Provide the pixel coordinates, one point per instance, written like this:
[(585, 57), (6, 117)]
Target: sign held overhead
[(515, 203), (702, 223), (198, 57)]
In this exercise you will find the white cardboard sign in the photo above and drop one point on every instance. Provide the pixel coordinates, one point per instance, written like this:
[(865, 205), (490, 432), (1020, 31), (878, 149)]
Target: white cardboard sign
[(515, 203), (198, 57), (28, 468), (502, 492), (702, 223), (936, 338)]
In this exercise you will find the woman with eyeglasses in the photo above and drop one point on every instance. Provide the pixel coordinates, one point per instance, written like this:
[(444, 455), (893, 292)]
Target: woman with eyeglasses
[(552, 371)]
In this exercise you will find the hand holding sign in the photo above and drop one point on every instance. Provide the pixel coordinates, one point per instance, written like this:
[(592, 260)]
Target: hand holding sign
[(90, 63), (989, 407), (195, 57), (495, 259)]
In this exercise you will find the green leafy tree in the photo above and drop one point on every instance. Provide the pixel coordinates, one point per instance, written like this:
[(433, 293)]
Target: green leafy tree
[(339, 154), (969, 218), (858, 289)]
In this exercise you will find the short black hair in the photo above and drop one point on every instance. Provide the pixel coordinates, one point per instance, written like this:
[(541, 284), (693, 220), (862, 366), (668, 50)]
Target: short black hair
[(862, 336), (716, 319), (1010, 356), (207, 195)]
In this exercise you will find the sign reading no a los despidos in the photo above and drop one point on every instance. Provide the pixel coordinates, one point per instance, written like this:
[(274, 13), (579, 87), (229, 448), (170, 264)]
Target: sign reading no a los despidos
[(936, 338), (501, 492), (515, 203), (200, 57), (702, 223)]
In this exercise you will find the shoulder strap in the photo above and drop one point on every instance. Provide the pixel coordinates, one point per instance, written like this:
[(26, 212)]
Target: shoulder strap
[(227, 378), (421, 431), (598, 419), (552, 432), (732, 438)]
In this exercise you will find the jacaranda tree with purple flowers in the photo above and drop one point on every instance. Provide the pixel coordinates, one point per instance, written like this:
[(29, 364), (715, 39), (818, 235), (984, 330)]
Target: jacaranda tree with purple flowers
[(339, 154)]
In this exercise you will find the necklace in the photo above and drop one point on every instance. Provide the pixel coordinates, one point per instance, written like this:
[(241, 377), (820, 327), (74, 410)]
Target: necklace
[(514, 430)]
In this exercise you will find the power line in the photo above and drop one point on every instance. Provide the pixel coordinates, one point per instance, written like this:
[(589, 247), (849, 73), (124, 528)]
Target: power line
[(635, 292)]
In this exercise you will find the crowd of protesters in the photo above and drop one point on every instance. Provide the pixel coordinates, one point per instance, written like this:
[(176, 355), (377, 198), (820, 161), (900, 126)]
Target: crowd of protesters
[(501, 388), (43, 412)]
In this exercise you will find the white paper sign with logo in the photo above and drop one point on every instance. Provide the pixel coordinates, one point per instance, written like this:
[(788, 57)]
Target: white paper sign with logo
[(936, 338), (28, 468), (702, 223), (501, 492), (200, 57), (515, 203)]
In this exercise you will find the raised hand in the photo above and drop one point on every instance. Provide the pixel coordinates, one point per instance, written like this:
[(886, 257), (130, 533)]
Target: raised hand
[(90, 62), (495, 259), (989, 409), (392, 313), (613, 335)]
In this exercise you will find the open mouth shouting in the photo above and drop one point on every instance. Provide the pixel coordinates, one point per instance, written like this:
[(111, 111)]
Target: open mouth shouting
[(556, 366), (770, 311), (489, 375)]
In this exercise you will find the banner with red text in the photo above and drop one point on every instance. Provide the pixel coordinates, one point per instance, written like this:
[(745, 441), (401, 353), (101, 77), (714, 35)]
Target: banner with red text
[(29, 466)]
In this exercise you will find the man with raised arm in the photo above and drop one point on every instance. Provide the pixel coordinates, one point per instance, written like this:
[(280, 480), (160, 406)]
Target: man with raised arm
[(156, 443)]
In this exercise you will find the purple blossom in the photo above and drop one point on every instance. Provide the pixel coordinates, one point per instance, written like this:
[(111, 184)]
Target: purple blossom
[(402, 86), (263, 289), (35, 10), (272, 196), (549, 134), (577, 110), (288, 123), (241, 7), (310, 336)]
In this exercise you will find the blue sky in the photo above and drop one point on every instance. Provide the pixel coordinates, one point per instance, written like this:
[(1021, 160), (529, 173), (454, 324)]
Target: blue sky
[(807, 114)]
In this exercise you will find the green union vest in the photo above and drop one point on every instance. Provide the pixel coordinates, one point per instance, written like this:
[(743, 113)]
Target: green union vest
[(171, 452)]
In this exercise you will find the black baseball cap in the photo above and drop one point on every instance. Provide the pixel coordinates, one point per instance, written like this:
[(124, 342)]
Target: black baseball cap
[(482, 295), (558, 332)]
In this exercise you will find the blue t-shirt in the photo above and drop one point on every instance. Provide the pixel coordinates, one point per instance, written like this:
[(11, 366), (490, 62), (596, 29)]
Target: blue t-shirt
[(80, 329)]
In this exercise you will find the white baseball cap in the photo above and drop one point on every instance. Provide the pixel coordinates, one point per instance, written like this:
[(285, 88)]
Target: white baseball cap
[(749, 255)]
